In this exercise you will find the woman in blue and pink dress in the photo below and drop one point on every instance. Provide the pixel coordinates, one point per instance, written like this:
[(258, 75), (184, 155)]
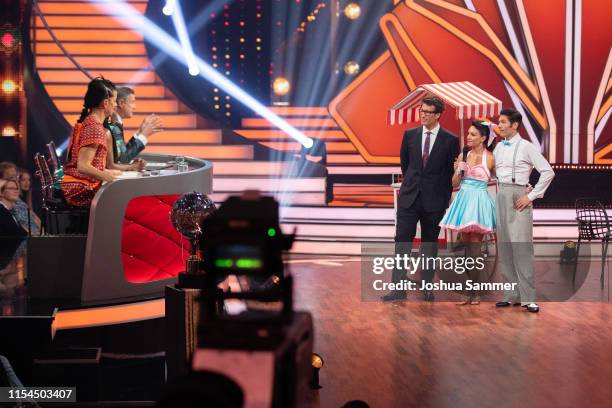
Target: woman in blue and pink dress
[(472, 212)]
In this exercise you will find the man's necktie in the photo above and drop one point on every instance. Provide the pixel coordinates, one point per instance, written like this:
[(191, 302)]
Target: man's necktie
[(426, 148)]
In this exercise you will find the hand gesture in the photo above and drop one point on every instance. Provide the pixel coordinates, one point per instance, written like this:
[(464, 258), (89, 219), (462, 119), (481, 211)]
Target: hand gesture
[(138, 165), (151, 124), (522, 203), (459, 165)]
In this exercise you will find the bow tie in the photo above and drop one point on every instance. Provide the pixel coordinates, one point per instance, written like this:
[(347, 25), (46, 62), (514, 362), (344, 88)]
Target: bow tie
[(506, 143)]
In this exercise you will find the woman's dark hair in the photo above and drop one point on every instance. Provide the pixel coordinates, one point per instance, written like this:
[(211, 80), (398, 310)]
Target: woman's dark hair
[(98, 90), (481, 127), (485, 131), (23, 194)]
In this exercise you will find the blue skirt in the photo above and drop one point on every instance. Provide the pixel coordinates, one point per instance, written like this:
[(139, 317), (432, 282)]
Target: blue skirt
[(472, 210)]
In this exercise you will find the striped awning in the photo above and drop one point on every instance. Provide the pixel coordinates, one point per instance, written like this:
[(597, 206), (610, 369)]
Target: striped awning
[(468, 100)]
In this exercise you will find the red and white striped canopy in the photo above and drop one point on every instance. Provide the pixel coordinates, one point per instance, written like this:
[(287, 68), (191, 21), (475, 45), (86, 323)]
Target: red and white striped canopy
[(468, 100)]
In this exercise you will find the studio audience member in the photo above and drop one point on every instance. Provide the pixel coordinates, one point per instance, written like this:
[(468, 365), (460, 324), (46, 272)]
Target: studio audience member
[(9, 195), (25, 185), (8, 171)]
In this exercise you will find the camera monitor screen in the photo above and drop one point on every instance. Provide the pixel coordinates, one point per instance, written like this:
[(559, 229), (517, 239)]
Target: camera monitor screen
[(238, 257)]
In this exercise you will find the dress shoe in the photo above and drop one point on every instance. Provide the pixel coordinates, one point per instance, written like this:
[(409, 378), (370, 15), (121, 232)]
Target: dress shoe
[(465, 300), (533, 308), (394, 296), (428, 296), (506, 304)]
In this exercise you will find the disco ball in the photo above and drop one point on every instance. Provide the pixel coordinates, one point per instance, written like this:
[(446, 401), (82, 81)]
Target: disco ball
[(189, 212)]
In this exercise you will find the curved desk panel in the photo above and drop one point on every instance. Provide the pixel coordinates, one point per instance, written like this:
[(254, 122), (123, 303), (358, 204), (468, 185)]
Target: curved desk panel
[(104, 277), (151, 249)]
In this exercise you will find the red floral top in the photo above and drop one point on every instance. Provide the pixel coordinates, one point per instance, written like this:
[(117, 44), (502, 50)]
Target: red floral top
[(78, 188)]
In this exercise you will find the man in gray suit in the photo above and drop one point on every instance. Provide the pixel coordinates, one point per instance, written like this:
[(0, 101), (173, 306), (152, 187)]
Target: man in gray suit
[(515, 158)]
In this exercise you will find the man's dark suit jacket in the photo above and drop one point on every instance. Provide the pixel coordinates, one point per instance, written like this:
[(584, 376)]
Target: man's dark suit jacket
[(434, 182), (123, 153)]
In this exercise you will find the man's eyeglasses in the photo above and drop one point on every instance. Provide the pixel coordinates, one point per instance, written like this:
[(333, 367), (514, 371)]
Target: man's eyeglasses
[(427, 112)]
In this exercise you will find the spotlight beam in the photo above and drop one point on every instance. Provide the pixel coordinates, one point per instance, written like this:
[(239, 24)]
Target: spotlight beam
[(181, 31), (166, 43), (194, 25)]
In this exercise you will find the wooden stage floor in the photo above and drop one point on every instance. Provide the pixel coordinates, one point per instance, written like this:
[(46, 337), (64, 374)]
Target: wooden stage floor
[(418, 354)]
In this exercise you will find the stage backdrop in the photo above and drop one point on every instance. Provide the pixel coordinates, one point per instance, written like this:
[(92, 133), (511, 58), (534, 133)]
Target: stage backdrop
[(549, 60)]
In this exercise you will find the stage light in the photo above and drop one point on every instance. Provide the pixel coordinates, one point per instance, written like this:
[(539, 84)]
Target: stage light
[(8, 40), (8, 131), (352, 11), (281, 86), (569, 252), (8, 86), (351, 68), (311, 17), (181, 30), (317, 362), (172, 48), (169, 7), (316, 153)]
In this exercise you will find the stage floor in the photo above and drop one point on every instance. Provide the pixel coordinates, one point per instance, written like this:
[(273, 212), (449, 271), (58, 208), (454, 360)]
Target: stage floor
[(438, 354), (413, 353)]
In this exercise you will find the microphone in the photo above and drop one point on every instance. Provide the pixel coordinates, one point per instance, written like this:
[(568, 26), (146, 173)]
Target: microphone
[(465, 153)]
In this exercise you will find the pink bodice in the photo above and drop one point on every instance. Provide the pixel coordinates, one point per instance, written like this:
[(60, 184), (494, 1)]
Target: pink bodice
[(479, 171)]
